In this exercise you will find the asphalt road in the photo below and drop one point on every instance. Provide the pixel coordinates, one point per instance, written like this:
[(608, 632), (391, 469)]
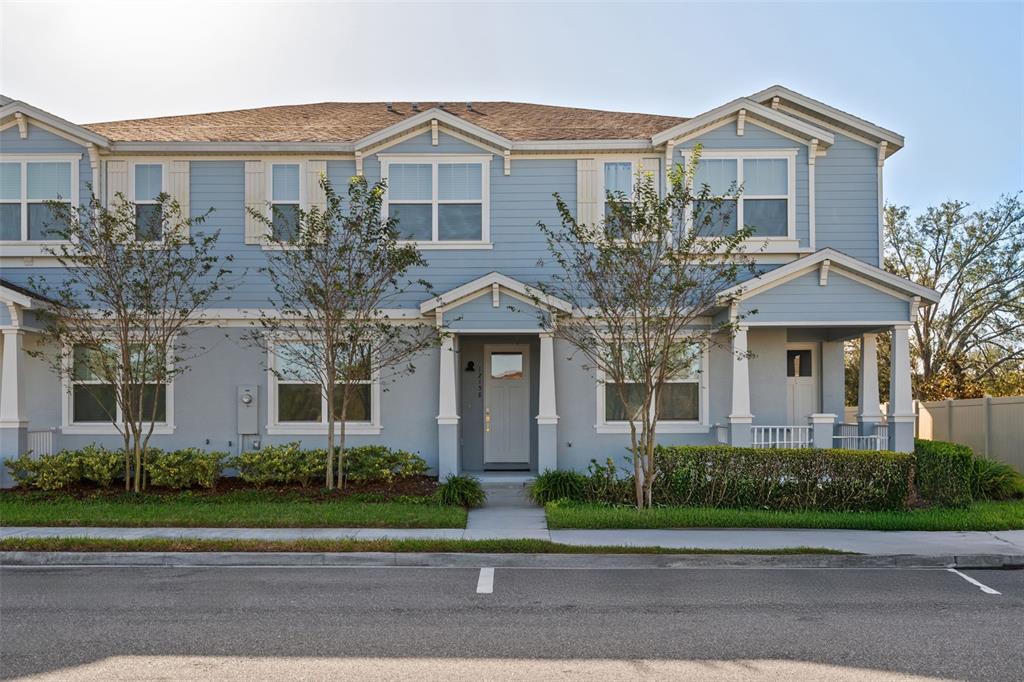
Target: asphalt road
[(432, 623)]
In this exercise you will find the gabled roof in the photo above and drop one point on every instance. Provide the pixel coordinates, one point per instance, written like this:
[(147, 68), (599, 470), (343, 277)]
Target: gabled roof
[(355, 121), (19, 295), (782, 274), (755, 112), (841, 120), (483, 284), (10, 108)]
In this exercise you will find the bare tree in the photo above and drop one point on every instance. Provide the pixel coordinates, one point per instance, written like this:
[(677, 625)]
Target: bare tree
[(973, 340), (642, 281), (133, 279), (334, 272)]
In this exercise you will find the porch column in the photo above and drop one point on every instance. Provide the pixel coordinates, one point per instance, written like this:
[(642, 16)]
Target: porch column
[(447, 414), (13, 425), (868, 414), (740, 418), (901, 406), (547, 415), (823, 426)]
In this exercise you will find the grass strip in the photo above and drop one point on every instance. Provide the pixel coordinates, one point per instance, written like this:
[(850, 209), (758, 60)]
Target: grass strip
[(243, 509), (71, 544), (979, 516)]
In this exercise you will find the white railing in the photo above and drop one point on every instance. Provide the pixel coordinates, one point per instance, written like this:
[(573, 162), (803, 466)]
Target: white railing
[(860, 443), (882, 431), (40, 442), (847, 430), (780, 436)]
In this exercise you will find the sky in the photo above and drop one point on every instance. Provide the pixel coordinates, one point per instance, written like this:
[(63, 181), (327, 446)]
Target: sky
[(947, 76)]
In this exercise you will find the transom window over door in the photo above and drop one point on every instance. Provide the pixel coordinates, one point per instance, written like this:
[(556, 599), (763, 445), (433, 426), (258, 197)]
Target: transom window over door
[(756, 189), (26, 184), (439, 200)]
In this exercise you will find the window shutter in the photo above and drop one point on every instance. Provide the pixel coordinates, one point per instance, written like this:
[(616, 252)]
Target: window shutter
[(255, 200), (315, 195), (178, 188), (588, 191), (117, 181)]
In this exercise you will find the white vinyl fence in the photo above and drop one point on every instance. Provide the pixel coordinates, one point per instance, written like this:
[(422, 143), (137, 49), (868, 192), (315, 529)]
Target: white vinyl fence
[(992, 427)]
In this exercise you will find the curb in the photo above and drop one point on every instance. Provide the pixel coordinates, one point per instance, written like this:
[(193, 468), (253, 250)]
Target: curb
[(473, 560)]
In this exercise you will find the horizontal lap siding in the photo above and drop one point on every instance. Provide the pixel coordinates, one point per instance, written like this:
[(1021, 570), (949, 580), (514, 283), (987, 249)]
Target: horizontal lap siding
[(480, 313), (756, 137), (846, 185), (804, 299), (220, 185)]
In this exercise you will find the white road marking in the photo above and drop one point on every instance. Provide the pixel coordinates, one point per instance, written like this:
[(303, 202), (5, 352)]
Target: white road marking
[(485, 585), (984, 588)]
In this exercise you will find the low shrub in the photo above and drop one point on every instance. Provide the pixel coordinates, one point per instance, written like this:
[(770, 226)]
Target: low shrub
[(461, 491), (995, 480), (281, 465), (944, 472), (187, 468), (782, 479), (557, 484), (63, 469), (378, 464)]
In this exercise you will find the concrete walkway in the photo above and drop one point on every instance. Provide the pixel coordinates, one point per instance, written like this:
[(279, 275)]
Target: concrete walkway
[(508, 513)]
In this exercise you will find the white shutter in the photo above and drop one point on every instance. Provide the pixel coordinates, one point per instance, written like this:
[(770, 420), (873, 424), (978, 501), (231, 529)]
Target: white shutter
[(315, 195), (588, 191), (652, 164), (178, 188), (117, 181), (255, 200)]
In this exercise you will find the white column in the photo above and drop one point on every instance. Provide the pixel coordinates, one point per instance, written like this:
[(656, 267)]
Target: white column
[(901, 405), (447, 413), (547, 415), (12, 413), (740, 417), (868, 414)]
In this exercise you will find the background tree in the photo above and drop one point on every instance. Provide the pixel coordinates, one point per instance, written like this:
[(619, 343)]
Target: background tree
[(972, 342), (132, 280), (643, 276), (333, 273)]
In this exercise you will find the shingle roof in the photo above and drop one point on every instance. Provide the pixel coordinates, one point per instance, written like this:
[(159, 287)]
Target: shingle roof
[(351, 121)]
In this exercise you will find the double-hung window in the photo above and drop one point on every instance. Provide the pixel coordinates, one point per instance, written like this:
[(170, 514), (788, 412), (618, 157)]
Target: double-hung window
[(93, 399), (679, 403), (148, 184), (755, 189), (618, 182), (300, 400), (26, 184), (285, 193), (439, 200)]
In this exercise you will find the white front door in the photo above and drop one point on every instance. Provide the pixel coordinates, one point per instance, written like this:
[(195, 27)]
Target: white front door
[(801, 383), (506, 404)]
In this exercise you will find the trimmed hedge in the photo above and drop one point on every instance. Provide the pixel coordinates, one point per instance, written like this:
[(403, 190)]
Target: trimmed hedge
[(944, 472), (378, 464), (63, 469), (187, 468), (281, 465)]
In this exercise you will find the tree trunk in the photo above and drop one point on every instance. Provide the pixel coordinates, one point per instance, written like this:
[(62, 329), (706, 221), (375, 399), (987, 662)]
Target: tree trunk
[(329, 482), (341, 440)]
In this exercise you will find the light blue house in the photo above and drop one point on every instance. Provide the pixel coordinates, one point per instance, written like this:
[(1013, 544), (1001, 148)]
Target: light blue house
[(470, 181)]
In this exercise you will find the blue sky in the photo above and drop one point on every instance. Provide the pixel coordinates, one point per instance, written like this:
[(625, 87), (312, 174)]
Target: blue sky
[(948, 76)]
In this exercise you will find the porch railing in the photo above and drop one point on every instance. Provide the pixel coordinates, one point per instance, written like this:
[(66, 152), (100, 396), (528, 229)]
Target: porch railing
[(40, 442), (848, 437), (780, 436)]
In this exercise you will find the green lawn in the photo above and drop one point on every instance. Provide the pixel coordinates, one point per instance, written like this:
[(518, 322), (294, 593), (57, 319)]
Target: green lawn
[(246, 509), (473, 546), (979, 516)]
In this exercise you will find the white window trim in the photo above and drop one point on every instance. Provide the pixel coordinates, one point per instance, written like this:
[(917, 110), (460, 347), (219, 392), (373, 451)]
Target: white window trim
[(636, 163), (303, 201), (434, 159), (790, 155), (700, 425), (146, 202), (25, 247), (279, 428), (104, 428)]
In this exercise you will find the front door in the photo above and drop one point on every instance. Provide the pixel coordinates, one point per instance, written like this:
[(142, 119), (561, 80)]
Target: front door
[(801, 383), (506, 404)]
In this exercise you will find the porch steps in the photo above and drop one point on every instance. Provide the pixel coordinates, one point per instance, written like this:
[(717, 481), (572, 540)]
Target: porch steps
[(508, 513)]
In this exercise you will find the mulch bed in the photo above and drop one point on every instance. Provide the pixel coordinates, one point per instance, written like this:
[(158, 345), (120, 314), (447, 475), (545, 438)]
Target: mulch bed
[(416, 486)]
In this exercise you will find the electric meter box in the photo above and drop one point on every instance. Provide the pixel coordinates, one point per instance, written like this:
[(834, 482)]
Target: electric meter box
[(248, 410)]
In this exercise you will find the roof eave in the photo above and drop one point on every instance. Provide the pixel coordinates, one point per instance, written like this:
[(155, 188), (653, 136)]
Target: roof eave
[(754, 111), (74, 130)]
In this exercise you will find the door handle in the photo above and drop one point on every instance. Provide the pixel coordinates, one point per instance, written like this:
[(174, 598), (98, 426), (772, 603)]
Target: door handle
[(487, 420)]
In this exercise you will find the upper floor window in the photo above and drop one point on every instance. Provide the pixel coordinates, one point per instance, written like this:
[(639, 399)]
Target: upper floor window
[(26, 184), (756, 189), (618, 181), (285, 193), (148, 179), (439, 200)]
